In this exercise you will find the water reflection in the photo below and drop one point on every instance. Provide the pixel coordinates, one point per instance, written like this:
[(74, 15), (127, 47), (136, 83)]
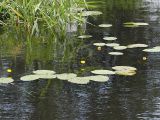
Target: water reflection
[(121, 98)]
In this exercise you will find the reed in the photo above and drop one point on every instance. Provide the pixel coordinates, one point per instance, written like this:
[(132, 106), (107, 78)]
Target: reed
[(34, 14)]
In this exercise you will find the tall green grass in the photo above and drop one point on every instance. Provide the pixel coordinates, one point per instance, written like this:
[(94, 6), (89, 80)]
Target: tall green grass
[(34, 14)]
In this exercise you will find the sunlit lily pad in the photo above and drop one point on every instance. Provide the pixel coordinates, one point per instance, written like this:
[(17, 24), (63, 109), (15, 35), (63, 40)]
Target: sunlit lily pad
[(131, 26), (112, 44), (47, 76), (103, 72), (152, 50), (6, 80), (29, 78), (90, 13), (137, 46), (105, 25), (66, 76), (126, 72), (136, 23), (120, 47), (84, 36), (141, 24), (115, 53), (99, 78), (110, 38), (99, 44), (44, 72), (124, 68), (79, 80)]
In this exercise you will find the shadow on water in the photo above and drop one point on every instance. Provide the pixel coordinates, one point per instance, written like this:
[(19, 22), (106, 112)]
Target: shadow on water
[(121, 98)]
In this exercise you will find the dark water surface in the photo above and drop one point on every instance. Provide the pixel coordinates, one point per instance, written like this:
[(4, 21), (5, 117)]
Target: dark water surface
[(121, 98)]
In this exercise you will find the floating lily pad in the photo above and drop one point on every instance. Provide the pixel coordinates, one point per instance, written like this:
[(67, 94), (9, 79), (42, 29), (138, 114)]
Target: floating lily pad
[(84, 36), (131, 26), (99, 44), (141, 24), (99, 78), (124, 68), (29, 78), (152, 50), (6, 80), (103, 72), (110, 38), (136, 23), (79, 80), (90, 13), (120, 47), (105, 25), (47, 76), (66, 76), (115, 53), (44, 72), (137, 46), (125, 72), (112, 44)]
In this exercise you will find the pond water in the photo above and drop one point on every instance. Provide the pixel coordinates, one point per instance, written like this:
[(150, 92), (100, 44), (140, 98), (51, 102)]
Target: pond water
[(121, 98)]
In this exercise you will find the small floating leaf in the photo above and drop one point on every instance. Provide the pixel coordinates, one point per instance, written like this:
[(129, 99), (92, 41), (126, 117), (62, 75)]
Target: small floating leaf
[(105, 25), (124, 68), (115, 53), (6, 80), (99, 44), (44, 72), (66, 76), (99, 78), (90, 13), (112, 44), (120, 47), (29, 78), (110, 38), (126, 72), (79, 80), (137, 46), (103, 72), (84, 36)]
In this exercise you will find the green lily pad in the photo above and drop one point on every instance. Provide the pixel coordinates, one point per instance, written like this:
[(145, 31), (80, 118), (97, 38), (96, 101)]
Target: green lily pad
[(126, 72), (120, 47), (79, 80), (29, 78), (99, 44), (90, 13), (84, 36), (103, 72), (110, 38), (137, 46), (124, 68), (115, 53), (105, 25), (66, 76), (99, 78), (112, 44), (136, 23), (4, 80), (44, 72)]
